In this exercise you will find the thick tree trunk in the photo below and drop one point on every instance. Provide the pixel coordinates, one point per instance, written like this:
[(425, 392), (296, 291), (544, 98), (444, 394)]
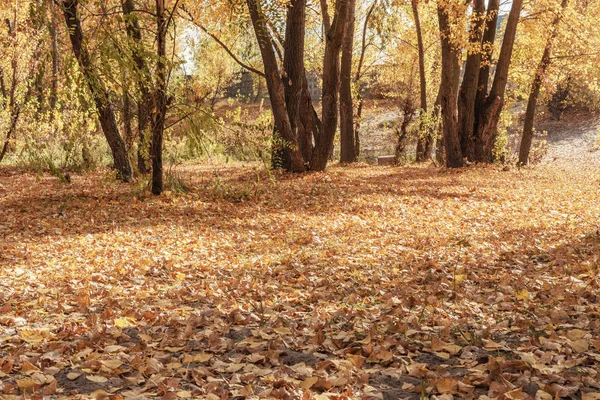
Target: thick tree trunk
[(486, 129), (448, 92), (99, 92), (275, 87), (293, 73), (143, 81), (160, 99), (424, 139), (468, 89), (347, 138), (536, 85), (331, 80)]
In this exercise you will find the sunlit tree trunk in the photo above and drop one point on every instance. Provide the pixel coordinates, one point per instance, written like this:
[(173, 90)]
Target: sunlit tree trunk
[(98, 91), (536, 85), (489, 114)]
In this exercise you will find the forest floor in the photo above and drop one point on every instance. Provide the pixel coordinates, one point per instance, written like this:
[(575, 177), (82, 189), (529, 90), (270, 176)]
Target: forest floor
[(358, 283)]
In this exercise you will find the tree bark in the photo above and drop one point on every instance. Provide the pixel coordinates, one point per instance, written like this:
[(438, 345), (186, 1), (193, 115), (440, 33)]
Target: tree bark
[(468, 89), (160, 99), (347, 138), (424, 139), (487, 45), (536, 85), (293, 71), (486, 130), (448, 91), (99, 92), (143, 81), (275, 86), (331, 80)]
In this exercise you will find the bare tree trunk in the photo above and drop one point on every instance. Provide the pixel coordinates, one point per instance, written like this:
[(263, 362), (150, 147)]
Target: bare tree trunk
[(536, 85), (275, 86), (99, 92), (486, 129), (347, 137), (448, 91), (143, 81), (331, 79), (468, 89)]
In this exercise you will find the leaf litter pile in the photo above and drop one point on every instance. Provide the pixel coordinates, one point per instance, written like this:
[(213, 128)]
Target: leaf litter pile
[(358, 283)]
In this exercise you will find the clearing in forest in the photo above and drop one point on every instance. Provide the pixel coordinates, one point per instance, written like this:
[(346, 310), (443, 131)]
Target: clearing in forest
[(361, 282)]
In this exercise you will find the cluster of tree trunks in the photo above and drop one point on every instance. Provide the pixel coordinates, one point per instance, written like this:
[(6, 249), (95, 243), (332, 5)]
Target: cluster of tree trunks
[(470, 113), (303, 141)]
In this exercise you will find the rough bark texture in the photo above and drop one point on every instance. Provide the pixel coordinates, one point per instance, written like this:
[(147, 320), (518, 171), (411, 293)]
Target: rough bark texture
[(99, 92), (347, 138), (293, 72), (489, 37), (527, 138), (275, 87), (143, 80), (448, 93), (486, 129), (424, 139), (468, 89), (160, 99), (331, 79)]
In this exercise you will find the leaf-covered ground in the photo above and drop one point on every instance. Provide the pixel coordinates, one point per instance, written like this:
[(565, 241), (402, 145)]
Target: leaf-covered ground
[(359, 283)]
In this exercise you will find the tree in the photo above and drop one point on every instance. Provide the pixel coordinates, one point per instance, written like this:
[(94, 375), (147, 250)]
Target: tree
[(331, 79), (100, 94), (536, 85), (143, 81), (449, 83), (424, 141), (348, 148), (275, 86)]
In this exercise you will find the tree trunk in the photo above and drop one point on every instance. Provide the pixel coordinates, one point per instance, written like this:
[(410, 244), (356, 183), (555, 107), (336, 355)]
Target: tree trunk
[(275, 87), (99, 92), (160, 99), (293, 74), (52, 27), (489, 37), (536, 85), (448, 91), (424, 139), (347, 139), (331, 79), (486, 129), (361, 60), (468, 89), (142, 72)]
